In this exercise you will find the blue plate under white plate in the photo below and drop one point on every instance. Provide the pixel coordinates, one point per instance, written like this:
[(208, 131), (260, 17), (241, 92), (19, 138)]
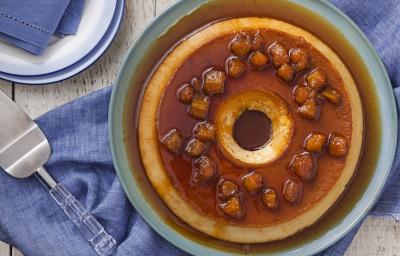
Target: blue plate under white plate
[(68, 56)]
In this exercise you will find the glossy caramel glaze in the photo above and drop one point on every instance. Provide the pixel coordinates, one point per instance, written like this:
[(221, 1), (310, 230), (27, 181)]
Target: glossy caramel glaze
[(172, 114)]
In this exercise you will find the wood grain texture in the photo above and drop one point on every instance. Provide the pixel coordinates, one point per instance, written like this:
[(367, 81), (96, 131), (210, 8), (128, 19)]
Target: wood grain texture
[(4, 249), (161, 5), (377, 236), (6, 87), (16, 252)]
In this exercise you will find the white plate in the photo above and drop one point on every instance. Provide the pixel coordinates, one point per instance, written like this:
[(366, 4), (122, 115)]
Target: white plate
[(61, 53)]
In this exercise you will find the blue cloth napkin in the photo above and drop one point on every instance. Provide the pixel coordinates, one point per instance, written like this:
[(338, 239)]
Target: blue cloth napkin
[(29, 24), (82, 162)]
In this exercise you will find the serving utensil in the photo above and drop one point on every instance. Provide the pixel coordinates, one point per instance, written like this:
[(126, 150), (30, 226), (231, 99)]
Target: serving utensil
[(24, 150)]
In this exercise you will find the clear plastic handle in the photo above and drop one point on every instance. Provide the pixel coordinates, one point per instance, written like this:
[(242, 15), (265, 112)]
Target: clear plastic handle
[(103, 243)]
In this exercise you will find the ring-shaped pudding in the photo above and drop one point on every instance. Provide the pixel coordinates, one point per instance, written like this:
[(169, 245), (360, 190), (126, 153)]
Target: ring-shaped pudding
[(165, 186)]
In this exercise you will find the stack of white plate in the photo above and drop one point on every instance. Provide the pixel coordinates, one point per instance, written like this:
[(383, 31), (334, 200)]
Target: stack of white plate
[(65, 57)]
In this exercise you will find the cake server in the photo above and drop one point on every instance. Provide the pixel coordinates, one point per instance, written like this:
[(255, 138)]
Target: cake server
[(24, 150)]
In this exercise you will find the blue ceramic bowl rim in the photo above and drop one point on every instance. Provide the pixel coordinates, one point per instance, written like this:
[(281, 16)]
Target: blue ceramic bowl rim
[(388, 120), (82, 64)]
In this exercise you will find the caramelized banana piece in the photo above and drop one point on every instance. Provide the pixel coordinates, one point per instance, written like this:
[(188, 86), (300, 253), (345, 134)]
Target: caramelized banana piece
[(286, 72), (185, 94), (235, 67), (269, 198), (331, 95), (310, 110), (233, 208), (227, 189), (173, 141), (258, 42), (205, 131), (315, 142), (292, 191), (302, 93), (316, 80), (253, 182), (204, 170), (199, 107), (196, 84), (279, 55), (303, 166), (195, 148), (241, 45), (214, 82), (258, 60), (337, 145), (299, 59)]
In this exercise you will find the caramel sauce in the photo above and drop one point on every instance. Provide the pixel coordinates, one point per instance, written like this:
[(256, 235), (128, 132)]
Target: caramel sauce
[(252, 130), (296, 15)]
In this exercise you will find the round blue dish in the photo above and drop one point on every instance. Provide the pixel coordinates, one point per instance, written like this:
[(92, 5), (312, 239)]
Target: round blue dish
[(80, 65), (388, 121)]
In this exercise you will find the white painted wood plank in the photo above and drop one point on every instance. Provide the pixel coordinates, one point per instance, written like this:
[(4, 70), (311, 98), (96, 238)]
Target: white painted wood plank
[(161, 5), (377, 236), (36, 100), (16, 252), (6, 87), (4, 249)]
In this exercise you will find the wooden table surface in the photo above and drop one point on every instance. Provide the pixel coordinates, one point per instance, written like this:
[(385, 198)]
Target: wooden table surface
[(377, 236)]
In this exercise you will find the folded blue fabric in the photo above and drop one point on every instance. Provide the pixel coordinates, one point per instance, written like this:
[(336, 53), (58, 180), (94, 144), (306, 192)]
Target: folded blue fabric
[(69, 23), (81, 160), (29, 24)]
